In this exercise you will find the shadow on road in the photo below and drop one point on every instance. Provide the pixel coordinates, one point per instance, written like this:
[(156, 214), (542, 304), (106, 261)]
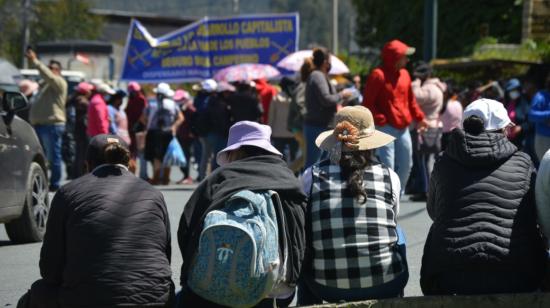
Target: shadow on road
[(5, 243), (10, 243)]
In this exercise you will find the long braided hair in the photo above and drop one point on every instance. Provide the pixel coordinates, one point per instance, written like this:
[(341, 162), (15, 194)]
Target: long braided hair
[(353, 165)]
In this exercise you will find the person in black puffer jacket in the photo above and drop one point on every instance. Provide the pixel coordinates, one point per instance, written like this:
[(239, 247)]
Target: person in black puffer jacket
[(107, 240), (484, 238)]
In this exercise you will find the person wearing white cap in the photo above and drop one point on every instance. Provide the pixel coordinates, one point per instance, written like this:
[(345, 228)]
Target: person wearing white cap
[(484, 238), (217, 119), (162, 127), (542, 192), (206, 90)]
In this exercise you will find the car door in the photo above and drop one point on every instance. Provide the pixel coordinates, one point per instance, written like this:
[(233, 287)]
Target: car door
[(7, 154)]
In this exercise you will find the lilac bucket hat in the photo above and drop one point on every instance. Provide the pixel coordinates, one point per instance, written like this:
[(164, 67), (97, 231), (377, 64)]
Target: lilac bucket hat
[(247, 133)]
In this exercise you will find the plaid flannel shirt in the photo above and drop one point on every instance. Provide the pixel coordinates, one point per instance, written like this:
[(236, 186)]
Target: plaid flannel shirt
[(354, 245)]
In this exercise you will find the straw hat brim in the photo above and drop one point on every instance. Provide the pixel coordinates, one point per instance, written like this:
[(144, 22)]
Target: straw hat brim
[(327, 140)]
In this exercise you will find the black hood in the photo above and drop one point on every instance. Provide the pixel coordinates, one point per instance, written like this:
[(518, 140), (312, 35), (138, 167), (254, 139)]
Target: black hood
[(254, 173), (485, 149)]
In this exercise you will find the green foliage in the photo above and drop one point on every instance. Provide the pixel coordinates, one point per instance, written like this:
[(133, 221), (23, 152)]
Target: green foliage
[(11, 42), (316, 21), (51, 20), (64, 19), (357, 65), (525, 52), (461, 24)]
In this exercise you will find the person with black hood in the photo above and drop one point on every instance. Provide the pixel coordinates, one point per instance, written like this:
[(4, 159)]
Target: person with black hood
[(107, 241), (249, 162), (484, 238), (244, 104)]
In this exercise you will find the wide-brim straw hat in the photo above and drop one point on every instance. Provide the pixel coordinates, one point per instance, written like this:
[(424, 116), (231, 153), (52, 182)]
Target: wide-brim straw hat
[(362, 131)]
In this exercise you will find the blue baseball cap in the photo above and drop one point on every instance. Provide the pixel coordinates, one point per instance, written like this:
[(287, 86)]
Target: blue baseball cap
[(513, 84)]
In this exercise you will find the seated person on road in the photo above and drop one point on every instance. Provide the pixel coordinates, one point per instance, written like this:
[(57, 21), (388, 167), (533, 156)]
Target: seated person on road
[(249, 162), (107, 240), (355, 251), (542, 193), (484, 238)]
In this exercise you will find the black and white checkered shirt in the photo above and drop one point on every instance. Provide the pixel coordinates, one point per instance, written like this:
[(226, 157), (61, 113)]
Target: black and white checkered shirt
[(354, 245)]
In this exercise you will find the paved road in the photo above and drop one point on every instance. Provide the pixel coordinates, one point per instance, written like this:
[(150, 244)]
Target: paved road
[(19, 263)]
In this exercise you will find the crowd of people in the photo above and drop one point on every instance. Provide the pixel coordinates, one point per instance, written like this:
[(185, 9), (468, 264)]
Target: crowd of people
[(336, 166)]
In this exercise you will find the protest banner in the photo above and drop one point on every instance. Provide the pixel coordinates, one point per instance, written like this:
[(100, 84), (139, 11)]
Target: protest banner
[(199, 50)]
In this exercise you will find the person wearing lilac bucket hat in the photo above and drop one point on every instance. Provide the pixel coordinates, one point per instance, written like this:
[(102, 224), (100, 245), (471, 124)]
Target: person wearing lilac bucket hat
[(249, 162), (246, 133)]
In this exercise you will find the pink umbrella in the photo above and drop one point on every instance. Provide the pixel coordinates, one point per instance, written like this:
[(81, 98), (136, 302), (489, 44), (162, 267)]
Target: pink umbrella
[(294, 61), (246, 72)]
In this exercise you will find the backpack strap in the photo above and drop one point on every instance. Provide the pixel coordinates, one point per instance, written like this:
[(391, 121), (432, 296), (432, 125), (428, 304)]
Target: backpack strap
[(281, 226)]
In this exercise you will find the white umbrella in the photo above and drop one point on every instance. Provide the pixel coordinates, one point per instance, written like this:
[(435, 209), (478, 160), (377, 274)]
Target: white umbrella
[(294, 61), (246, 72)]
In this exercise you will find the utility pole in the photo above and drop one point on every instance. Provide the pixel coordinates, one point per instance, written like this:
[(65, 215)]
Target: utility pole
[(335, 26), (430, 30), (26, 5), (236, 8)]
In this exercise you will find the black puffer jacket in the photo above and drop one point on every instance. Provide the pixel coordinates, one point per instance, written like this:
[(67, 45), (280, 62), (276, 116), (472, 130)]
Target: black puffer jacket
[(107, 242), (484, 238)]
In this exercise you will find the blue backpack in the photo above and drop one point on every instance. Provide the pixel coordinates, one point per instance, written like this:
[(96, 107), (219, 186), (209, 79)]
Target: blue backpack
[(238, 262)]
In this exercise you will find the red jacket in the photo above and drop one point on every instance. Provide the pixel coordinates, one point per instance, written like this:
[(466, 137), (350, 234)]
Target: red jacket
[(135, 107), (266, 92), (98, 116), (388, 93)]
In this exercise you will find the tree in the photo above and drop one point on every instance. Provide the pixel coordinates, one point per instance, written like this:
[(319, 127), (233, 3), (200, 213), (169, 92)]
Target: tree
[(51, 20), (460, 23), (10, 44), (64, 19), (316, 21)]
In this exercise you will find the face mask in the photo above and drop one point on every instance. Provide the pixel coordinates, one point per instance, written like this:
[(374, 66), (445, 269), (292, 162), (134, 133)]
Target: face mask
[(514, 94)]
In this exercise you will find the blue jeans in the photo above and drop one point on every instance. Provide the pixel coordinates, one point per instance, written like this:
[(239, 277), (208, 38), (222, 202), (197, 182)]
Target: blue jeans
[(142, 166), (310, 292), (313, 153), (50, 137), (398, 154)]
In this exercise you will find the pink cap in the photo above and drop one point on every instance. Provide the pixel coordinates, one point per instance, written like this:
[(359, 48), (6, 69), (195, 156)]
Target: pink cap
[(133, 86), (84, 87), (181, 95)]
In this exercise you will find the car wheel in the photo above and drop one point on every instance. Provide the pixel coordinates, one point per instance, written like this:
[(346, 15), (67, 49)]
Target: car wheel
[(31, 225)]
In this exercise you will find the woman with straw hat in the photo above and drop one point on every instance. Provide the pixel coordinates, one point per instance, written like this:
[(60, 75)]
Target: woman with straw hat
[(355, 249)]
